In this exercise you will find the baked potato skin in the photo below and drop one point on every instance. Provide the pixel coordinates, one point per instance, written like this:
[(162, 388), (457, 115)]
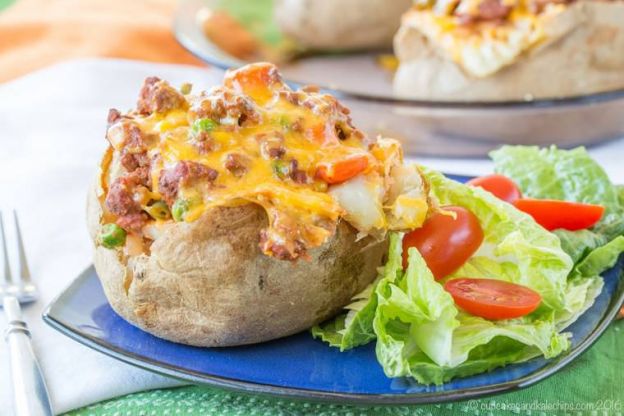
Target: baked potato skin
[(206, 283), (585, 55), (344, 24)]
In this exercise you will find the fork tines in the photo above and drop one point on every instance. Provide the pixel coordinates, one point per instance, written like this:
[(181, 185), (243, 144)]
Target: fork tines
[(6, 277), (19, 285)]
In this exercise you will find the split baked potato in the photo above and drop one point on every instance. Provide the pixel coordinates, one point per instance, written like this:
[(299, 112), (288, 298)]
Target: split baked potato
[(245, 213), (489, 50)]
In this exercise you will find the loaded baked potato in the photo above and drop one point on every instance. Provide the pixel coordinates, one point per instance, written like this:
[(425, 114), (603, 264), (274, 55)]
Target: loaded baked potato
[(244, 213), (509, 49)]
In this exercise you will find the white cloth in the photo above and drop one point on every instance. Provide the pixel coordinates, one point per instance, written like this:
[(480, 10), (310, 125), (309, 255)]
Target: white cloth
[(52, 126)]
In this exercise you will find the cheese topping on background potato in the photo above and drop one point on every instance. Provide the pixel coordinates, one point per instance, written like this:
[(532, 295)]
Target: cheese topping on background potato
[(484, 36), (254, 140)]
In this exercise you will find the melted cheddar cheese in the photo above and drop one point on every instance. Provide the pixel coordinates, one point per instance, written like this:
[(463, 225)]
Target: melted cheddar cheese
[(481, 47), (280, 138)]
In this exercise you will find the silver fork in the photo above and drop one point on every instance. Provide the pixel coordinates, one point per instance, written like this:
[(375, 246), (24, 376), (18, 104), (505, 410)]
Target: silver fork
[(29, 389)]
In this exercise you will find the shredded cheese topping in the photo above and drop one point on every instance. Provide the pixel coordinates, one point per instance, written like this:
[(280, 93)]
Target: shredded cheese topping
[(483, 46), (288, 148)]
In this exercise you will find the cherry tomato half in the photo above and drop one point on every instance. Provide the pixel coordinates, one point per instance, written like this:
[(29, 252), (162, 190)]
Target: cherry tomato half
[(493, 299), (553, 214), (342, 170), (498, 185), (445, 243)]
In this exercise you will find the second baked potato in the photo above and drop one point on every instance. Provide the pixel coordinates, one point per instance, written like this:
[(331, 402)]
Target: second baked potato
[(533, 49)]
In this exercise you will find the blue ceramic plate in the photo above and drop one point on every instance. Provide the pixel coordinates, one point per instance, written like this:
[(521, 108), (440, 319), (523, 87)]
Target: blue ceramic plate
[(300, 366)]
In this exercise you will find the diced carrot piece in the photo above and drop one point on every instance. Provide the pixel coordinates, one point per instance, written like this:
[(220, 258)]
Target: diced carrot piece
[(342, 170), (317, 133), (255, 80)]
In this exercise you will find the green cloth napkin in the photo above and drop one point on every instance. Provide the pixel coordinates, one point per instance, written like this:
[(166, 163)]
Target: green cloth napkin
[(593, 384)]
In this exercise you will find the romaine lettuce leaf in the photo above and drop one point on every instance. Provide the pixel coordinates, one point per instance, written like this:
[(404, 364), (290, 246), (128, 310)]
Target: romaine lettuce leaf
[(422, 334), (515, 247), (420, 331), (600, 259), (580, 295), (331, 331), (579, 244), (355, 326), (571, 175), (414, 313), (551, 173), (496, 353)]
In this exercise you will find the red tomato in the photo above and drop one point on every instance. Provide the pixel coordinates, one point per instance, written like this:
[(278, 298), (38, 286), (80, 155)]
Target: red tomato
[(552, 214), (342, 170), (500, 186), (445, 243), (493, 299)]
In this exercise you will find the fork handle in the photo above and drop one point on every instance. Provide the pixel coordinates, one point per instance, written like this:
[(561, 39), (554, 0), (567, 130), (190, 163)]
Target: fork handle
[(30, 395)]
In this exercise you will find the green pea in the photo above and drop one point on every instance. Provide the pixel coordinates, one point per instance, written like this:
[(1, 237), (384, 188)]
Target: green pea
[(186, 88), (158, 210), (204, 124), (179, 208), (112, 236), (280, 168), (284, 122)]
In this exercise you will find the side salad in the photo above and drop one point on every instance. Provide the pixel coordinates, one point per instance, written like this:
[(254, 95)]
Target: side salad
[(496, 274)]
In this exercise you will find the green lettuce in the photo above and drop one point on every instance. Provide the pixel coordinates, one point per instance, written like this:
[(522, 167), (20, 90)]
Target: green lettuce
[(571, 175), (552, 173), (422, 334), (419, 331), (355, 327), (578, 244), (515, 247), (600, 259), (580, 296)]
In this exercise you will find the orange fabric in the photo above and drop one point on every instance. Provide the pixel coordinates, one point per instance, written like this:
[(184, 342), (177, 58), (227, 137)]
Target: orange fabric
[(37, 33)]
